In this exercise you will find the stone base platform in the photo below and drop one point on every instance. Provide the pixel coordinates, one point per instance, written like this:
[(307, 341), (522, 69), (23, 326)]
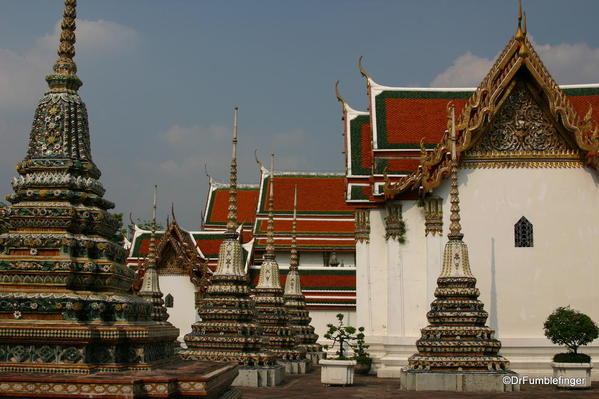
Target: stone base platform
[(296, 366), (314, 357), (459, 381), (266, 376), (180, 379)]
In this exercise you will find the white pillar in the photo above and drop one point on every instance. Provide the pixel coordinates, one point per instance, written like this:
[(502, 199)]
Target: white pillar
[(363, 281)]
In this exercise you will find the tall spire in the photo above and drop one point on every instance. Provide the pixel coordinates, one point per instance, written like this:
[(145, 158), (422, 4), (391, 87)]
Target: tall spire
[(455, 229), (150, 287), (232, 215), (520, 31), (295, 302), (270, 232), (152, 249), (293, 258), (65, 69)]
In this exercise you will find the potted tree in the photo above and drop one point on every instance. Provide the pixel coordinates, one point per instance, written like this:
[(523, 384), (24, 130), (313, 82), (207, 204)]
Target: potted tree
[(363, 359), (572, 329), (340, 370)]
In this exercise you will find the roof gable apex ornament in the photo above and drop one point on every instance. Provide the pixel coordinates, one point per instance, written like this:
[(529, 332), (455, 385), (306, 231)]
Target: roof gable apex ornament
[(340, 98), (487, 100)]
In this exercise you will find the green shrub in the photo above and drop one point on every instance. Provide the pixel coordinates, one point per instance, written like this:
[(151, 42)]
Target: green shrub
[(570, 328), (571, 358)]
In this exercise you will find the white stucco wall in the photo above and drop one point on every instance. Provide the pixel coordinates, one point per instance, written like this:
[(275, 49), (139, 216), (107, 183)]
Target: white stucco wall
[(520, 287), (183, 314)]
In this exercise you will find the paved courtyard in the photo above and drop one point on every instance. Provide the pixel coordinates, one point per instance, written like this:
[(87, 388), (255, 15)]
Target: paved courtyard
[(309, 386)]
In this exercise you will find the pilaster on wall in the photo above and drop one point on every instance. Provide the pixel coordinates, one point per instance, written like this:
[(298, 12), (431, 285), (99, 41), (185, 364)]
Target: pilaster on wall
[(378, 272), (363, 270), (433, 230), (395, 230), (433, 216), (395, 227)]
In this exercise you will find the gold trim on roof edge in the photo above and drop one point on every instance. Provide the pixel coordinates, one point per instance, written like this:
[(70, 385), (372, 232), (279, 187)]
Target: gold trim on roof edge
[(482, 106)]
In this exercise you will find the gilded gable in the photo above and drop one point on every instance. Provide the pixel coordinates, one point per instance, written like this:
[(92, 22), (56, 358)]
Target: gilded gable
[(521, 134)]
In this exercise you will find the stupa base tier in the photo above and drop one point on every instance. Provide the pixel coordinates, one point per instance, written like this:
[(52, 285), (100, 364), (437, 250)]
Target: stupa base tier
[(98, 332), (181, 379), (77, 348), (452, 362), (300, 366), (269, 376), (216, 355), (458, 381)]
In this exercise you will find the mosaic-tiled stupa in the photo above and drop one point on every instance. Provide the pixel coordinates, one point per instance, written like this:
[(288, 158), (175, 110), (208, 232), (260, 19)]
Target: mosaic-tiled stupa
[(456, 343), (279, 337), (295, 301), (228, 330), (150, 287), (64, 301)]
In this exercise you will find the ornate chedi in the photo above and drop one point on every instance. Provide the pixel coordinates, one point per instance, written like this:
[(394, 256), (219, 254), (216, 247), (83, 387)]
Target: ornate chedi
[(64, 301), (228, 330), (457, 343), (295, 302), (270, 305), (150, 288)]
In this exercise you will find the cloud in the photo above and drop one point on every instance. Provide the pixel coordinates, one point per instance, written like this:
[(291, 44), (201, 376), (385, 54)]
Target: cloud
[(467, 70), (567, 63), (21, 73)]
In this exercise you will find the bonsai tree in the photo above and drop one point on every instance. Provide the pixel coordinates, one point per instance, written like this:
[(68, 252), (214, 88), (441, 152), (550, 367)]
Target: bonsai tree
[(344, 337), (341, 336), (572, 329)]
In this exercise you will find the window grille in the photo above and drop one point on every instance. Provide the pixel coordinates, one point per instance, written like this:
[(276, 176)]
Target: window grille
[(523, 234), (169, 301)]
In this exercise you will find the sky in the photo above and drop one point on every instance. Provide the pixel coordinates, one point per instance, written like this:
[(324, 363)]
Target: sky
[(161, 78)]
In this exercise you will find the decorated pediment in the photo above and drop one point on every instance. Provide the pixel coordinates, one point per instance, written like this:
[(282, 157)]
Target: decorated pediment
[(522, 133), (517, 117)]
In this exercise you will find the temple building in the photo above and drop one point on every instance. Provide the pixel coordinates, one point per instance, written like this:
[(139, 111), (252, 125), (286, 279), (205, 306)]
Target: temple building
[(325, 244), (527, 153)]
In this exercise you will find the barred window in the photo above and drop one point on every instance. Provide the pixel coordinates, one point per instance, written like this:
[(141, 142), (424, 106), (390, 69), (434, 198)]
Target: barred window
[(523, 233), (169, 301)]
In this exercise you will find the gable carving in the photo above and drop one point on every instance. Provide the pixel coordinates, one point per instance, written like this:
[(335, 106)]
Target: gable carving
[(521, 135)]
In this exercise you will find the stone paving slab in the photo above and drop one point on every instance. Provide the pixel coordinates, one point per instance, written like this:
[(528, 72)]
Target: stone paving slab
[(370, 387)]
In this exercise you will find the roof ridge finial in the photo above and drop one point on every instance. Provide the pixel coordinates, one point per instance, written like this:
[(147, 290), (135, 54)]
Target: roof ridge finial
[(520, 34), (270, 232), (293, 258), (361, 67), (232, 215), (455, 229), (65, 69), (338, 94)]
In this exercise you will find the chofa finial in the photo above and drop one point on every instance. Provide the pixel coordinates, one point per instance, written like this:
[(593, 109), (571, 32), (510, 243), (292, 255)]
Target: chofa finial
[(361, 67), (337, 94)]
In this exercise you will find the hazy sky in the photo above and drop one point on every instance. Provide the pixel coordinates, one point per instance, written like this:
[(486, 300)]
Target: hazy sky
[(161, 77)]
